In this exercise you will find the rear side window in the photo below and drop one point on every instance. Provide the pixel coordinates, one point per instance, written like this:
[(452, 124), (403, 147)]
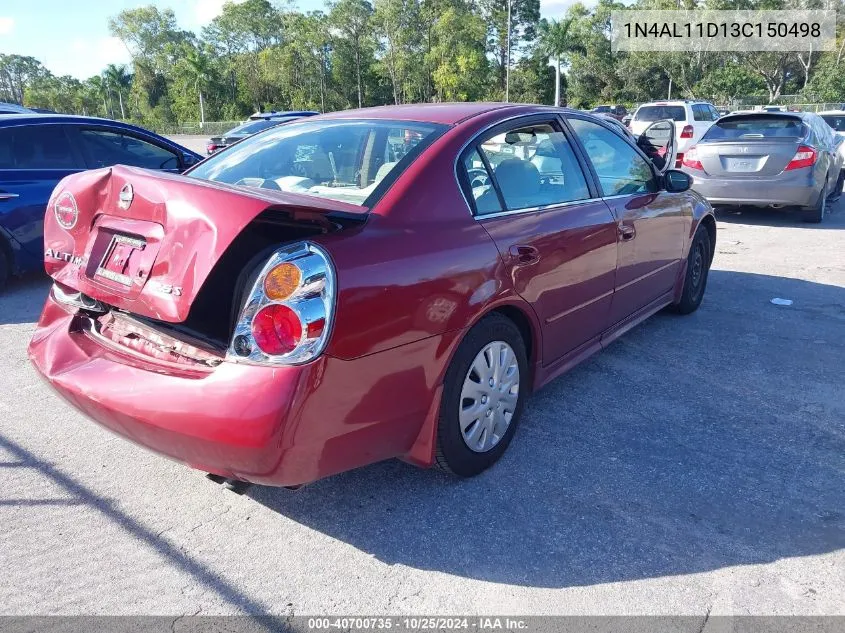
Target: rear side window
[(105, 147), (36, 147), (534, 166), (751, 127), (659, 112), (481, 185), (700, 113), (835, 121)]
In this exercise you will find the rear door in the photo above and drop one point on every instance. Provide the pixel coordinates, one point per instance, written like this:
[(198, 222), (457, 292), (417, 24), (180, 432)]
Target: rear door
[(555, 236), (750, 146), (651, 223), (33, 159)]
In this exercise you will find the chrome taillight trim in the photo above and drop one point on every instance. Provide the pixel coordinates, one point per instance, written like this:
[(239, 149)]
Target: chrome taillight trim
[(312, 301)]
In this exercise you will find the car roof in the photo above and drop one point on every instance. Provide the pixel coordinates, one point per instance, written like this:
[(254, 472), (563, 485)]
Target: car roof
[(15, 108), (441, 113), (839, 112)]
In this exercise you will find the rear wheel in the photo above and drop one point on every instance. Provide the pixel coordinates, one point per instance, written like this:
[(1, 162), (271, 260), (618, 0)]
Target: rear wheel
[(698, 267), (816, 213), (483, 394)]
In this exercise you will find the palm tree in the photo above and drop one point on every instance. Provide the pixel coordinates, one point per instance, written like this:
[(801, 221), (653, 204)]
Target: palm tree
[(98, 88), (199, 67), (119, 79), (557, 40)]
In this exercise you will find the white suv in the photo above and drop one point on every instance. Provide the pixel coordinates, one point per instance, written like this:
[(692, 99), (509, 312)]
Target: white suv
[(692, 119)]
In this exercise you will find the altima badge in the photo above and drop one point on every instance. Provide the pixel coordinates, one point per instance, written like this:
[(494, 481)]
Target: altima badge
[(126, 197)]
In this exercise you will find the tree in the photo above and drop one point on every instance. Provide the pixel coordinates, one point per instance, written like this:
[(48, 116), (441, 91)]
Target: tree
[(504, 35), (16, 74), (199, 68), (352, 19), (119, 79), (557, 40)]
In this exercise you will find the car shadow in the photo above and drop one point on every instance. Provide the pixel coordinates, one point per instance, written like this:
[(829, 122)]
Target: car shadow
[(835, 218), (691, 444), (23, 298)]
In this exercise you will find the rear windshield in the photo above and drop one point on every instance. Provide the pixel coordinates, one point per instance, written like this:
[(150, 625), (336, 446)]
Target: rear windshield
[(660, 112), (835, 121), (752, 127), (339, 160), (251, 127)]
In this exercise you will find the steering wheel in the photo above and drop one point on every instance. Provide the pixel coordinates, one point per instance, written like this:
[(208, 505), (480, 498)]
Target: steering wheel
[(477, 177)]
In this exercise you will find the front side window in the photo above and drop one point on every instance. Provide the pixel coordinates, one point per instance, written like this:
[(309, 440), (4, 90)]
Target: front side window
[(534, 166), (106, 147), (700, 113), (343, 160), (620, 169), (36, 147)]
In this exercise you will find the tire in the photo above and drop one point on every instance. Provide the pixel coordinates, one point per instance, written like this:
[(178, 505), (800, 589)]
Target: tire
[(695, 279), (837, 190), (816, 213), (491, 431)]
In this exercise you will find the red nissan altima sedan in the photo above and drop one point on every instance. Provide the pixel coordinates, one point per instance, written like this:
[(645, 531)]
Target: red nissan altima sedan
[(363, 285)]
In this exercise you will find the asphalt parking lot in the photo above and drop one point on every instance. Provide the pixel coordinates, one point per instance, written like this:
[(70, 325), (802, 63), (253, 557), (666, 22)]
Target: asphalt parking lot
[(696, 467)]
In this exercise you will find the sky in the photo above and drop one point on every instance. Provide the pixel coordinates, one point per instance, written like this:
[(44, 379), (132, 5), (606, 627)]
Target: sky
[(72, 38)]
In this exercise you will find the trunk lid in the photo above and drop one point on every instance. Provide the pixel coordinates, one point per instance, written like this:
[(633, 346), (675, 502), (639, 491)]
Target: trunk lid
[(146, 241), (747, 158)]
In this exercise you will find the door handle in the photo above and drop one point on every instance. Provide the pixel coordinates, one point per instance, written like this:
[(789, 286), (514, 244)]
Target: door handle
[(627, 232), (524, 254), (8, 196)]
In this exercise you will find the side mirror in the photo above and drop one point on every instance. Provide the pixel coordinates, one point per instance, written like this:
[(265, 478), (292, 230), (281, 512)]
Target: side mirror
[(189, 160), (676, 181)]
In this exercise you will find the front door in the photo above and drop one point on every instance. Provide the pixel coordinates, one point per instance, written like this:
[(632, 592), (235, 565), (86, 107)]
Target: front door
[(557, 239), (651, 223)]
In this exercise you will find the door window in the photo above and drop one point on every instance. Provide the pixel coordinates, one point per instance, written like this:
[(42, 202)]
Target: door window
[(700, 113), (534, 166), (106, 147), (481, 185), (620, 169), (36, 147)]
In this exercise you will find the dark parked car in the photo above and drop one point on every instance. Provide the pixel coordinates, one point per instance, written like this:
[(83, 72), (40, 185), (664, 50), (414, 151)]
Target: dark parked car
[(768, 159), (257, 123), (618, 112), (361, 285), (38, 150)]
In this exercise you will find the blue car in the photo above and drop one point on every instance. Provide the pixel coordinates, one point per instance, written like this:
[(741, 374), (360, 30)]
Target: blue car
[(38, 150)]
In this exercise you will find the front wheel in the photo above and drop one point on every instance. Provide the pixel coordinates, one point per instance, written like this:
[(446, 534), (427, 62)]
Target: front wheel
[(483, 394), (698, 267)]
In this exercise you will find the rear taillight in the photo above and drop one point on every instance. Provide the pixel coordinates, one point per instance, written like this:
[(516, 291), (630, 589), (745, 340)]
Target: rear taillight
[(690, 159), (287, 315), (804, 157), (211, 147), (687, 132)]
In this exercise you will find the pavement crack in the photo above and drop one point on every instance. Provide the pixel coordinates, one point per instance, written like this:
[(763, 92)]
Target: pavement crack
[(706, 618)]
